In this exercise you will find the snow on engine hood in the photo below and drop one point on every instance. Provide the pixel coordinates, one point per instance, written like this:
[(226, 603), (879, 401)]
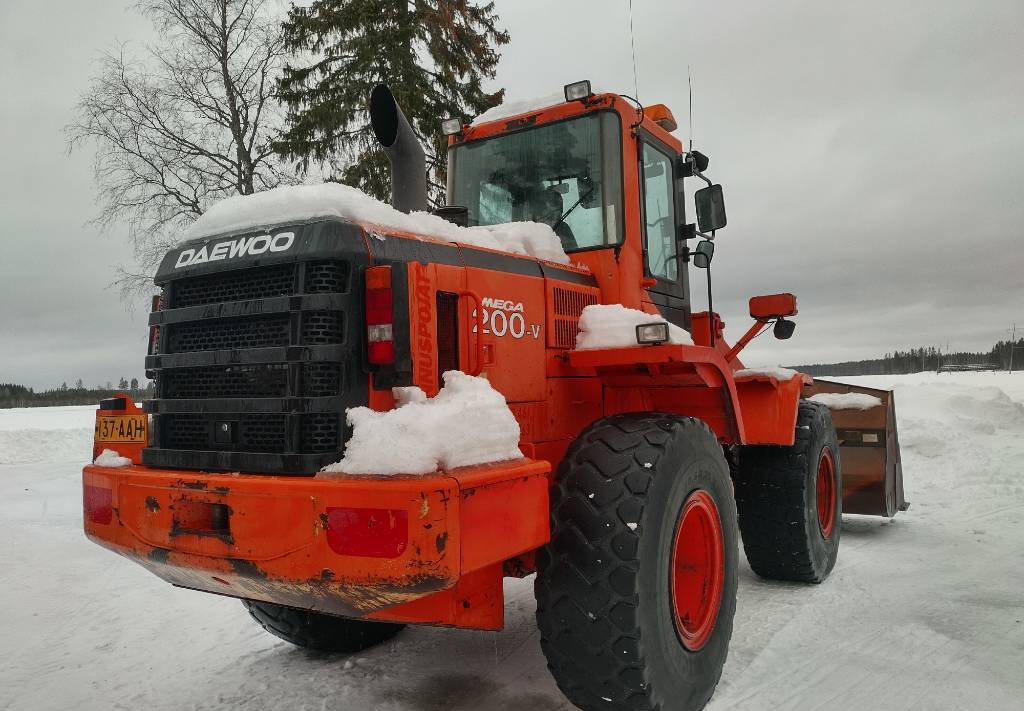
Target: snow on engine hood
[(294, 204)]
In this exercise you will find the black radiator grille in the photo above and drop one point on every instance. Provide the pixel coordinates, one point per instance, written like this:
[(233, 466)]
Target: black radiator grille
[(322, 379), (322, 327), (326, 277), (228, 333), (223, 382), (321, 433), (255, 433), (266, 391), (185, 431), (250, 381), (257, 283)]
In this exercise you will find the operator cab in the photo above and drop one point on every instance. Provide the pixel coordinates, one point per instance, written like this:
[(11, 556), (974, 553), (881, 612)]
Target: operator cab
[(566, 174), (605, 175)]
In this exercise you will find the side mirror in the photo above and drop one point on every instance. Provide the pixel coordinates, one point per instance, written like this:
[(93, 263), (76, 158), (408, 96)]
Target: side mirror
[(703, 255), (784, 329), (710, 208)]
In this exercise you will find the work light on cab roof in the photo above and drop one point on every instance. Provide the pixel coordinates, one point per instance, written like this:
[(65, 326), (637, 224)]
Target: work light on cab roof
[(578, 90)]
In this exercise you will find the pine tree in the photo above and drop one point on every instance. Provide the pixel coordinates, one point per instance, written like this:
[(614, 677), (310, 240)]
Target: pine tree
[(434, 54)]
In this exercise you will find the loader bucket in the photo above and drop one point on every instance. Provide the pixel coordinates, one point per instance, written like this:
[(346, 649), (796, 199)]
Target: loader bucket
[(869, 450)]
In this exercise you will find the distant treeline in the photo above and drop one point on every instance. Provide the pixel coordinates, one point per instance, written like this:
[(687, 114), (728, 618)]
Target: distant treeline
[(12, 395), (917, 360)]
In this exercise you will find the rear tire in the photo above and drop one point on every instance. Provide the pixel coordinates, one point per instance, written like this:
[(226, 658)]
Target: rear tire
[(315, 630), (789, 501), (637, 589)]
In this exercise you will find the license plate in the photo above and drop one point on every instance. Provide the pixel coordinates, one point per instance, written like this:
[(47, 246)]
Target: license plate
[(121, 428)]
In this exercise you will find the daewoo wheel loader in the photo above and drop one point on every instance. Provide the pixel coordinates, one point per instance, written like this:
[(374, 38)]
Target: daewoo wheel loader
[(643, 465)]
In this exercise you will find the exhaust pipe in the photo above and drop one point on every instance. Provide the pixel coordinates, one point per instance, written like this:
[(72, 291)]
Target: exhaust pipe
[(396, 137)]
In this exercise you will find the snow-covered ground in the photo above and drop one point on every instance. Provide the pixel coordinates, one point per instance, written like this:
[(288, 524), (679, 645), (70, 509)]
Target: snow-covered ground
[(924, 612)]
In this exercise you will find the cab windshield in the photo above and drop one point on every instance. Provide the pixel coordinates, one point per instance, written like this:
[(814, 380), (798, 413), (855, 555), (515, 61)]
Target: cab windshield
[(567, 175)]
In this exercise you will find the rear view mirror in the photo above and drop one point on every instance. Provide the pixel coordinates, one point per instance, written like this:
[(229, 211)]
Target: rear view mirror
[(784, 329), (710, 208), (703, 255)]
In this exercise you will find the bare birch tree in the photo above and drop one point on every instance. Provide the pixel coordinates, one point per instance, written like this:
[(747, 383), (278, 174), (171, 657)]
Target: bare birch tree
[(188, 123)]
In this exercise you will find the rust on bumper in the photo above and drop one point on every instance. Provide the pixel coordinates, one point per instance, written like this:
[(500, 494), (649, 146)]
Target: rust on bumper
[(276, 539)]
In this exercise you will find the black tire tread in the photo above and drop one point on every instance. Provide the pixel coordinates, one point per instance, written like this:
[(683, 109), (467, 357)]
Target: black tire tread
[(587, 605), (771, 490), (316, 630)]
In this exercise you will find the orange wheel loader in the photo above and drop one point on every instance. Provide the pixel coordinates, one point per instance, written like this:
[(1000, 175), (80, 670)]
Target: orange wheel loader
[(643, 467)]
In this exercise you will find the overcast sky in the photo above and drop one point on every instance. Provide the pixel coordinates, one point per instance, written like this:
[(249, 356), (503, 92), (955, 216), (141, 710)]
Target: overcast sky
[(872, 155)]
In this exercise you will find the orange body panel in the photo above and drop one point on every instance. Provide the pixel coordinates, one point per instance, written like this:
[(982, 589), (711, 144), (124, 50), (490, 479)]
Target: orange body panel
[(769, 408), (275, 542)]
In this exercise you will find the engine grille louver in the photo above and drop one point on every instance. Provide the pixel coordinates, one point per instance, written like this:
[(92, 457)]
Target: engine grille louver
[(252, 371), (566, 306)]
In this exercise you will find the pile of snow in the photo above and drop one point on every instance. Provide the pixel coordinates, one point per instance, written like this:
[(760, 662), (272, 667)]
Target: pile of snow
[(110, 458), (517, 107), (466, 423), (847, 401), (614, 326), (777, 372), (294, 204)]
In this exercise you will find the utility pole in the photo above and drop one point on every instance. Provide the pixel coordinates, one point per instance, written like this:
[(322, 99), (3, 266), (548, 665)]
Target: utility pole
[(1013, 345)]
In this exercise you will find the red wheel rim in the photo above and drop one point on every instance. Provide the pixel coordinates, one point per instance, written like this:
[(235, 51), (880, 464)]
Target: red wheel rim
[(826, 493), (697, 570)]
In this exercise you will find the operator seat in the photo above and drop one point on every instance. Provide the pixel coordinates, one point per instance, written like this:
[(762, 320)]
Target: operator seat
[(547, 207)]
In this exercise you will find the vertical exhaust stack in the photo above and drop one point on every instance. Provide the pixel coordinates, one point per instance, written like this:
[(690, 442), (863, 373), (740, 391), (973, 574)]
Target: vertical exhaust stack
[(396, 137)]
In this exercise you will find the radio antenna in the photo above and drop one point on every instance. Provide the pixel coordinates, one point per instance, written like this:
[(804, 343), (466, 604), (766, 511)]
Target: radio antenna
[(632, 47), (689, 82)]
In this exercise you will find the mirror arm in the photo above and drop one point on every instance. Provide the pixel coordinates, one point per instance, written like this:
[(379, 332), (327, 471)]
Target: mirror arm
[(711, 309), (755, 330)]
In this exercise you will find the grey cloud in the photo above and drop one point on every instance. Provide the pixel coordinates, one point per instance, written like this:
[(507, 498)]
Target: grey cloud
[(870, 152)]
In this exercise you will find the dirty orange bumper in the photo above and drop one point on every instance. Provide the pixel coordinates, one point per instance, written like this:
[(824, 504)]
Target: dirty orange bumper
[(415, 549)]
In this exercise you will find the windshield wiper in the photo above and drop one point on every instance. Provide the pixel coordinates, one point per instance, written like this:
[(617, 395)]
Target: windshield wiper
[(575, 205)]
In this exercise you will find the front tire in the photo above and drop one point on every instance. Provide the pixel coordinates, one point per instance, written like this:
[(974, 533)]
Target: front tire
[(636, 591), (315, 630), (790, 501)]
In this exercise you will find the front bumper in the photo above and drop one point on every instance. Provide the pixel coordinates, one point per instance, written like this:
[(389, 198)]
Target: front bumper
[(351, 546)]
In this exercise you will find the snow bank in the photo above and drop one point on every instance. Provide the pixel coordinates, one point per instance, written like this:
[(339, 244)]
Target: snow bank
[(46, 434), (847, 401), (110, 458), (778, 372), (303, 203), (614, 326), (467, 423)]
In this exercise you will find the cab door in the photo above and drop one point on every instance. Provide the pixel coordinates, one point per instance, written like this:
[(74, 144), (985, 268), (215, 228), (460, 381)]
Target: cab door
[(662, 214)]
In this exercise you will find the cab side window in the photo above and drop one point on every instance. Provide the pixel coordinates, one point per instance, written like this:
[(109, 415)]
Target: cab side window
[(659, 214)]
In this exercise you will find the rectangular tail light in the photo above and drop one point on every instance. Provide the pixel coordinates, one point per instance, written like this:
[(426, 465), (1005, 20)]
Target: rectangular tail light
[(380, 342), (97, 504), (369, 533), (154, 331)]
